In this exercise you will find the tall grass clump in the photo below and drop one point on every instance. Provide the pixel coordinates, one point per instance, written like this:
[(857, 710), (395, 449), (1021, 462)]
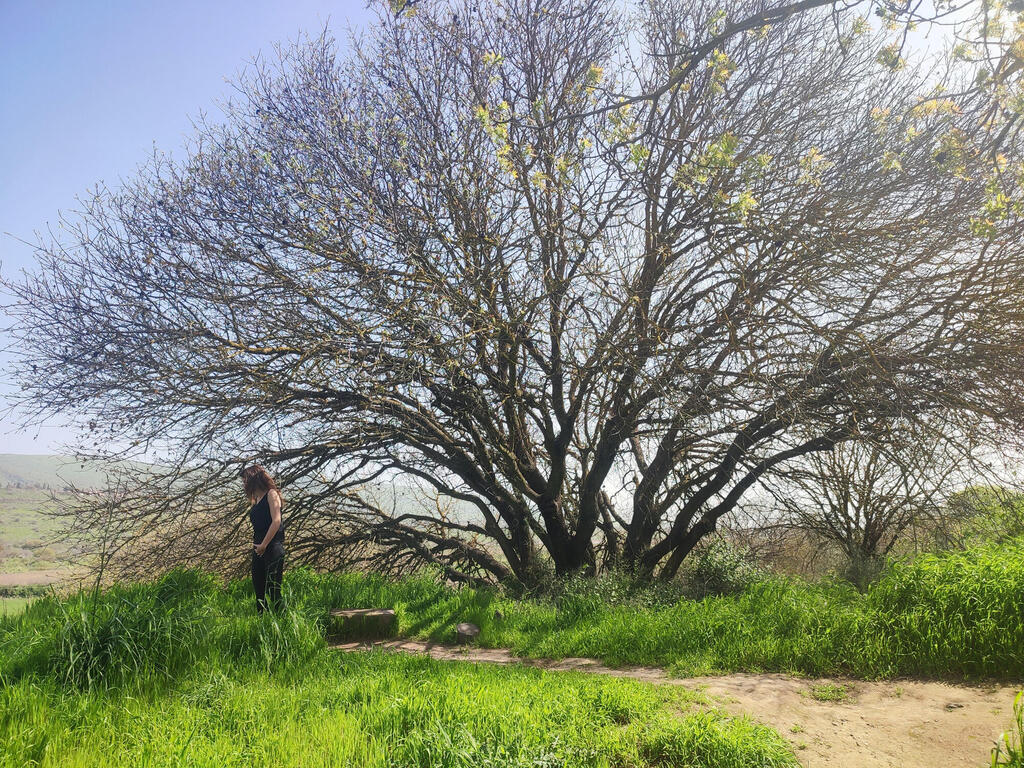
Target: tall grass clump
[(273, 640), (954, 613), (129, 631), (1009, 751), (149, 633)]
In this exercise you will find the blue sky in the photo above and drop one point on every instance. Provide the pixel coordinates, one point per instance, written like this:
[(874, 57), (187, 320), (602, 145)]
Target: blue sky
[(87, 87)]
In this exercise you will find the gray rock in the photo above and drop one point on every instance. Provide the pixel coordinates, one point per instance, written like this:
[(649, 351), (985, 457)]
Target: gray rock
[(465, 632)]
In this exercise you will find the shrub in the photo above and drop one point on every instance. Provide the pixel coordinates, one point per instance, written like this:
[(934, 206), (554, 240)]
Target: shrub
[(25, 590), (721, 568), (863, 570)]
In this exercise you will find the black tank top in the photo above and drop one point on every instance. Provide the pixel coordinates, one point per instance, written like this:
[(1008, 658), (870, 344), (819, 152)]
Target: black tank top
[(259, 516)]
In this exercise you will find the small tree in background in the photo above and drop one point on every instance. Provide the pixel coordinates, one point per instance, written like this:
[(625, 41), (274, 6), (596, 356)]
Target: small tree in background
[(983, 513), (866, 497), (586, 277)]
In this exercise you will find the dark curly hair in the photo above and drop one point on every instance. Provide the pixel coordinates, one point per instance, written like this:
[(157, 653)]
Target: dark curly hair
[(257, 480)]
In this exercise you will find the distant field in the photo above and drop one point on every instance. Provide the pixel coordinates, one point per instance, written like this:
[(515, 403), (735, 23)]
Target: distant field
[(12, 605), (43, 471), (27, 535), (29, 552)]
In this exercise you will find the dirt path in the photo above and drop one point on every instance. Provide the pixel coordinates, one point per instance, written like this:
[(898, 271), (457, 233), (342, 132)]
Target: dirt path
[(33, 578), (895, 724)]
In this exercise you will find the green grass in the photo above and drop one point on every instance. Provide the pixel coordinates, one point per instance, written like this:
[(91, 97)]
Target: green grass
[(10, 606), (180, 672), (23, 513), (955, 615), (1009, 751), (829, 692), (377, 710)]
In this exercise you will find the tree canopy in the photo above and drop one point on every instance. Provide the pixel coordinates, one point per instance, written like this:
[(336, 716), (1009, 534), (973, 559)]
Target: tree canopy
[(587, 273)]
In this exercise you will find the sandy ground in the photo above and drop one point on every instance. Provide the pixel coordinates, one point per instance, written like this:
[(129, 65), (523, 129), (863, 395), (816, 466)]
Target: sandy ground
[(892, 724)]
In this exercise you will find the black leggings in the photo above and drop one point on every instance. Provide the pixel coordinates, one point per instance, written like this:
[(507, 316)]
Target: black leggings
[(267, 572)]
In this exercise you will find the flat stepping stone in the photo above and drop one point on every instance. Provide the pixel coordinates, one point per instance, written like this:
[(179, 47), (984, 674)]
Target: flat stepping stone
[(350, 613), (365, 621)]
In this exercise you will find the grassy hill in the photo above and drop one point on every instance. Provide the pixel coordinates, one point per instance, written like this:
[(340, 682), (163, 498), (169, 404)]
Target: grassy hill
[(47, 471), (182, 670), (27, 535)]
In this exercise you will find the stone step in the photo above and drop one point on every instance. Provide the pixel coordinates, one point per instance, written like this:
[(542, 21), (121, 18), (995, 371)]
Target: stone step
[(364, 621), (384, 614)]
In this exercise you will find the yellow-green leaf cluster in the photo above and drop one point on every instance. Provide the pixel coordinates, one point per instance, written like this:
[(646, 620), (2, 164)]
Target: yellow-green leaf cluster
[(997, 207), (812, 166), (722, 68), (719, 155), (890, 57)]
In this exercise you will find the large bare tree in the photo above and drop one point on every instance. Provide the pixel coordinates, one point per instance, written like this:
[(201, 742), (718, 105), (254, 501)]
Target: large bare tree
[(585, 274)]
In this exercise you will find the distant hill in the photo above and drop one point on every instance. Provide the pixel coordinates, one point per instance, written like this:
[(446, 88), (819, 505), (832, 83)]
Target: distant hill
[(47, 471)]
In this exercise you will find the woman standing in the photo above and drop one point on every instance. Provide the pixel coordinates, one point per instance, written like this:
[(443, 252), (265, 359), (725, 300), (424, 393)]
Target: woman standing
[(267, 535)]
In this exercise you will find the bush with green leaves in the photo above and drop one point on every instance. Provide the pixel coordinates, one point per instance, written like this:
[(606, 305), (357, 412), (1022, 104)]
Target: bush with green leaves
[(25, 590), (582, 595), (863, 570), (721, 568), (982, 514)]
